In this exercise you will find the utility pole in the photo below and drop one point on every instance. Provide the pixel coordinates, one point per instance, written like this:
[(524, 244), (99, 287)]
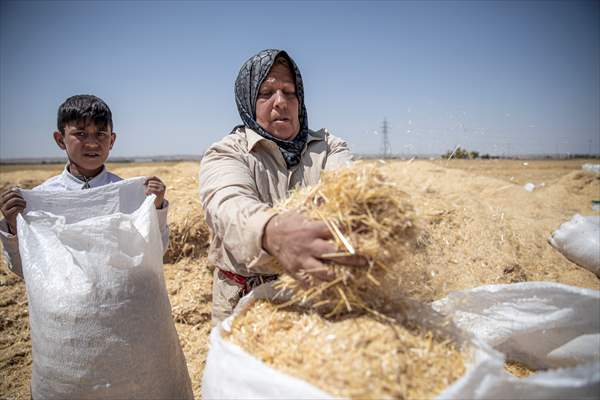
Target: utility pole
[(386, 147)]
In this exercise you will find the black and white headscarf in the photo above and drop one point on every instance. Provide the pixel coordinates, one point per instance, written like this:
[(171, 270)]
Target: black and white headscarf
[(251, 76)]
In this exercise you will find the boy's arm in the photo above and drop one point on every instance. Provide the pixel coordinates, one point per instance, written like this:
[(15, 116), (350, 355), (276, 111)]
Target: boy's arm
[(162, 224), (10, 243)]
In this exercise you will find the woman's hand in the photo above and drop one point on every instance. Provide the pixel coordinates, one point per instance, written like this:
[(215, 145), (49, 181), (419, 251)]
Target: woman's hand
[(298, 244)]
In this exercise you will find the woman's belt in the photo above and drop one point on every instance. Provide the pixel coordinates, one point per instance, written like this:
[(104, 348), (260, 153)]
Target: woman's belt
[(247, 282)]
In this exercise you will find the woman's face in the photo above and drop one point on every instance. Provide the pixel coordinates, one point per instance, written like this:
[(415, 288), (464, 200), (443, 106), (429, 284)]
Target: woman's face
[(277, 103)]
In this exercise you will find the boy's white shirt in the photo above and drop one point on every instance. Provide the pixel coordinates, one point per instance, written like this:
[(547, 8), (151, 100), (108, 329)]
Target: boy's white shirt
[(62, 183)]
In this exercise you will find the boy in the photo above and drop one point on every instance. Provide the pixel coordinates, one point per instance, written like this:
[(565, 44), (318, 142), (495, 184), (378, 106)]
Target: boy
[(85, 133)]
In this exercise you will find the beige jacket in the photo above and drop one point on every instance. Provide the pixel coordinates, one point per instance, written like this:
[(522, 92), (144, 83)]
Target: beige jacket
[(241, 177)]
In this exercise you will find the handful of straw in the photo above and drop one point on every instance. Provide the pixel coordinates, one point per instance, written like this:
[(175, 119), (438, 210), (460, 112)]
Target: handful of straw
[(368, 216)]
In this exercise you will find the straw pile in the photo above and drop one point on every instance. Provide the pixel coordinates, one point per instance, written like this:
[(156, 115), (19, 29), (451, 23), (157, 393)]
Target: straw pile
[(483, 230), (189, 284), (350, 357), (188, 237), (370, 216), (518, 369)]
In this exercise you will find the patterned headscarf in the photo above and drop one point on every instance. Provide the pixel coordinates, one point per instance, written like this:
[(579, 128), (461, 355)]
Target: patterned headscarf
[(251, 76)]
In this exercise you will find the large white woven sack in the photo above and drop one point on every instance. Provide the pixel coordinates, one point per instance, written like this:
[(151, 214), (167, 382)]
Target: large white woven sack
[(579, 241), (544, 325), (535, 318), (99, 314), (232, 373)]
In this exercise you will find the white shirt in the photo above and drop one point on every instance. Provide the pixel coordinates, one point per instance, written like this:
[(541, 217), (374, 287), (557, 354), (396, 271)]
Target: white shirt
[(62, 183), (66, 181)]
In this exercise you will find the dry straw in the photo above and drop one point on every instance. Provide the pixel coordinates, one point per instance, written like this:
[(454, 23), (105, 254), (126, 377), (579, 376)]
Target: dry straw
[(351, 336), (518, 369), (369, 216), (187, 238)]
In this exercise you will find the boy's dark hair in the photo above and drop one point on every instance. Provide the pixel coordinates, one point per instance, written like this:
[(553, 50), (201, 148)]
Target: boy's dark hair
[(84, 107)]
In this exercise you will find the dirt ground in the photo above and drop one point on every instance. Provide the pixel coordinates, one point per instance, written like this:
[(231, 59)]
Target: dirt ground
[(479, 226)]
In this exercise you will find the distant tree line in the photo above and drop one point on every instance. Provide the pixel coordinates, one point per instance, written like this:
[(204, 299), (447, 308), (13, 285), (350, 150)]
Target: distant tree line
[(465, 154)]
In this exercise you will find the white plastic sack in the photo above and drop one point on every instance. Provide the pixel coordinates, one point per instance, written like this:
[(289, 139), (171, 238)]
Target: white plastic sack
[(99, 314), (548, 325), (579, 241), (544, 325), (591, 168), (232, 373)]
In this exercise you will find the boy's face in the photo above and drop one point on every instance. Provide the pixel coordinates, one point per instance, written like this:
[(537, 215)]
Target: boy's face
[(87, 145)]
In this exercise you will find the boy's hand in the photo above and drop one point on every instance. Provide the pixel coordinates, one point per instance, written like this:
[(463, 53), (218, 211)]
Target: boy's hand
[(155, 186), (11, 204)]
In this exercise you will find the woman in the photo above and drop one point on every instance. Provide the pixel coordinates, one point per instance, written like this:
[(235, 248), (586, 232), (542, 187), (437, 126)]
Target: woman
[(256, 166)]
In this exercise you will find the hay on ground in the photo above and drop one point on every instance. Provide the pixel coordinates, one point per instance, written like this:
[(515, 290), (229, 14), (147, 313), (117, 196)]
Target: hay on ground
[(189, 284), (188, 237)]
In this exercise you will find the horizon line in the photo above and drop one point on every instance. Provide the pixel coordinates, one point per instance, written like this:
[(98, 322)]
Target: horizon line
[(187, 157)]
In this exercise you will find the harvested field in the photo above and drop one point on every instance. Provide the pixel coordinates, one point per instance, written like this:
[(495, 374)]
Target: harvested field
[(518, 172), (483, 230), (479, 227), (15, 345)]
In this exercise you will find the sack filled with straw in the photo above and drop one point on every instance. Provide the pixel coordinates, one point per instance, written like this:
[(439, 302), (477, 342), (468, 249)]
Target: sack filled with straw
[(358, 358)]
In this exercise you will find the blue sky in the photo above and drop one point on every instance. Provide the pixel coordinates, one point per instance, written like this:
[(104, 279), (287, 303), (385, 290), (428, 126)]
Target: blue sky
[(497, 77)]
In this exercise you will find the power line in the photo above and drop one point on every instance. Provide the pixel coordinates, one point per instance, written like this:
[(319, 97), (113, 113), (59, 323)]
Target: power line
[(386, 146)]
